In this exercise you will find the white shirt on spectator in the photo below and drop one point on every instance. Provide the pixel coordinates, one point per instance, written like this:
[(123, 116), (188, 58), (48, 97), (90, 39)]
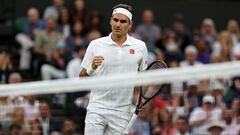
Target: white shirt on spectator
[(74, 67), (232, 129), (199, 114), (31, 111)]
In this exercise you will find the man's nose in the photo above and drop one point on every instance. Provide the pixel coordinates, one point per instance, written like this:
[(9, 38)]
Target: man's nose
[(118, 24)]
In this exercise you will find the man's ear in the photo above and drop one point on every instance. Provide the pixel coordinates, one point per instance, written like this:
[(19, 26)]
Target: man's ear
[(130, 25)]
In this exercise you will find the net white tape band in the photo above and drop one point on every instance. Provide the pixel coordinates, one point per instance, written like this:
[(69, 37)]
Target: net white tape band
[(228, 69)]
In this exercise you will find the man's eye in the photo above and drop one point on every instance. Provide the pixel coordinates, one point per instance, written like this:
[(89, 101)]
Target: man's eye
[(123, 21)]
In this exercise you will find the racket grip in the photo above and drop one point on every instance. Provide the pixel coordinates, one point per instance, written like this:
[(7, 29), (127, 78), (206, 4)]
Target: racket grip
[(130, 123)]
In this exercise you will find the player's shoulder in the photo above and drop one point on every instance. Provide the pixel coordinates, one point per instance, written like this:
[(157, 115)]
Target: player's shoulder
[(136, 42), (98, 41), (101, 39)]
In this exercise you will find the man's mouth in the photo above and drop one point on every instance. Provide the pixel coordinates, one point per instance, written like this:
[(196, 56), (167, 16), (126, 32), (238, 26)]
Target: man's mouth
[(117, 30)]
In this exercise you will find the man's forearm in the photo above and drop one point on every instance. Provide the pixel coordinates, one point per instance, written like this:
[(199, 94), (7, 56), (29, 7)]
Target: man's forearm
[(83, 73)]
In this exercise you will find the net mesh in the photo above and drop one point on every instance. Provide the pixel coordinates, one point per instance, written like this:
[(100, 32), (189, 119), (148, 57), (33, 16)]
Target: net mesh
[(210, 71), (179, 97)]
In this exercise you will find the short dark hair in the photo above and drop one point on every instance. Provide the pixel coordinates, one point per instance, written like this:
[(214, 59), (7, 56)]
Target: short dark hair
[(125, 6), (14, 126)]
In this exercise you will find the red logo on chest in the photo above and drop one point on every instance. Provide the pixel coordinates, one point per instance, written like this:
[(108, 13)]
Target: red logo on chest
[(131, 51)]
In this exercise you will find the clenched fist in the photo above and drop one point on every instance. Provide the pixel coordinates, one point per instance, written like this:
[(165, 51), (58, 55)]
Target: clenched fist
[(97, 61)]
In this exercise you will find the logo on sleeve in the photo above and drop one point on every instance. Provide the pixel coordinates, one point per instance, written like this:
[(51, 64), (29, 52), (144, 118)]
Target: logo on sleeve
[(131, 51)]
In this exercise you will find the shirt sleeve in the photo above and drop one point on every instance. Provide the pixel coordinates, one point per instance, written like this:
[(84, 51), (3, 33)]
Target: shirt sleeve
[(196, 115), (88, 57), (143, 63)]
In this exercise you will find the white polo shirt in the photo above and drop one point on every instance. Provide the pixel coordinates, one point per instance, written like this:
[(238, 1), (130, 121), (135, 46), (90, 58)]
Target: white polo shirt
[(129, 57)]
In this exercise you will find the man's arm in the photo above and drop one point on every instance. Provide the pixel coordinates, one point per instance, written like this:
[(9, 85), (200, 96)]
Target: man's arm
[(83, 73), (195, 120), (97, 61)]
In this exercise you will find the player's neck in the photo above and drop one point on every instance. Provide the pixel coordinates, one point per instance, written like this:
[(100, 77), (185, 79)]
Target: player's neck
[(119, 39)]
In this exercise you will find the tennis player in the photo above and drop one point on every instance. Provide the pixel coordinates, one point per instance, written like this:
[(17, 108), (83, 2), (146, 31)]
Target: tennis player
[(109, 110)]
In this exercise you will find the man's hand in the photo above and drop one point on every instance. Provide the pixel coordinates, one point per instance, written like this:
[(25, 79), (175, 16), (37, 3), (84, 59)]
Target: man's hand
[(97, 61)]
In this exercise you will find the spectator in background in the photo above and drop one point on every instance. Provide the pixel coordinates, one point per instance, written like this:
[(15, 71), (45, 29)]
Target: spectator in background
[(8, 104), (64, 26), (46, 40), (54, 10), (165, 124), (33, 24), (223, 46), (148, 31), (194, 99), (236, 52), (203, 51), (15, 77), (27, 37), (231, 127), (36, 129), (201, 117), (75, 39), (215, 128), (94, 23), (15, 129), (215, 58), (6, 67), (45, 44), (233, 29), (31, 107), (208, 32), (74, 66), (18, 117), (79, 12), (69, 127), (92, 35), (235, 106), (233, 92), (183, 127), (48, 123), (217, 89), (181, 32), (56, 67), (178, 108), (191, 53), (173, 52), (142, 125)]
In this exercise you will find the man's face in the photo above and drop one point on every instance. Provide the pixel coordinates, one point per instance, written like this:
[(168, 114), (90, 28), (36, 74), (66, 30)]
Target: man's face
[(43, 110), (227, 115), (33, 15), (216, 131), (120, 24), (191, 57), (208, 106), (68, 127), (50, 24), (58, 3), (148, 17), (182, 126)]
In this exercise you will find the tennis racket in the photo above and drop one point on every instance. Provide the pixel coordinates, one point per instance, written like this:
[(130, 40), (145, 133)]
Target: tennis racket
[(147, 93)]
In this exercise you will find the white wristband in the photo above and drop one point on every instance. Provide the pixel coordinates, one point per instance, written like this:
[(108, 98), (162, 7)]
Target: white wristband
[(91, 71)]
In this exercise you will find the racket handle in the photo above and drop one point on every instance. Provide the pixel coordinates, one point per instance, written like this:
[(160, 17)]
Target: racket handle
[(130, 123)]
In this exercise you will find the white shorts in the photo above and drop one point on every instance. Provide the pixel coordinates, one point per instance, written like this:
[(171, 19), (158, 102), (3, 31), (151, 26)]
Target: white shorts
[(106, 122)]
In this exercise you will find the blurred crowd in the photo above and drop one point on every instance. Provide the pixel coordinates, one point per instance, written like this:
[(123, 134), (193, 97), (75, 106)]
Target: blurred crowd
[(52, 46)]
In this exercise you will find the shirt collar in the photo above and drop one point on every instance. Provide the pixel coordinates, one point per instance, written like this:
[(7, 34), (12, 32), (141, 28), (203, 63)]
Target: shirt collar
[(111, 42)]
